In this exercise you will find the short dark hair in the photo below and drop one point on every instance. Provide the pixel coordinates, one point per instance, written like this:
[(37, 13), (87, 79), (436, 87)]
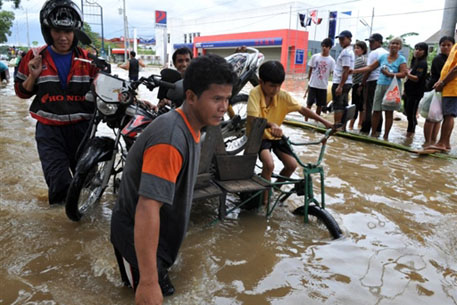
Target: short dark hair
[(132, 53), (361, 44), (327, 42), (206, 70), (446, 38), (181, 51), (272, 71)]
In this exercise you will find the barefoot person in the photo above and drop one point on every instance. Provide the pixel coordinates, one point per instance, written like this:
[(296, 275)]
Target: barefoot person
[(268, 101), (448, 86), (392, 64), (431, 129)]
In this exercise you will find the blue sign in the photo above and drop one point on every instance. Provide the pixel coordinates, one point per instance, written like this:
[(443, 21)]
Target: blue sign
[(262, 42), (299, 56)]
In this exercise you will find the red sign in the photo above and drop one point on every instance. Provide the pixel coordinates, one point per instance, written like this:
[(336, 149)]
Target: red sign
[(161, 18)]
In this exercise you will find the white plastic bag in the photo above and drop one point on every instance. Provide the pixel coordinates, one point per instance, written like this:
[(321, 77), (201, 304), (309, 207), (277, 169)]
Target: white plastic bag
[(435, 114), (392, 97), (424, 104)]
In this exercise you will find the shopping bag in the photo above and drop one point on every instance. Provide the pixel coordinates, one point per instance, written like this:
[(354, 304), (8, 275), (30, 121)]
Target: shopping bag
[(392, 97), (435, 114), (424, 104)]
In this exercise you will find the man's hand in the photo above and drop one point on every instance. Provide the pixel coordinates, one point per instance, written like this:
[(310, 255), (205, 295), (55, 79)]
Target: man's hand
[(275, 130), (35, 66), (164, 102), (339, 90), (148, 294)]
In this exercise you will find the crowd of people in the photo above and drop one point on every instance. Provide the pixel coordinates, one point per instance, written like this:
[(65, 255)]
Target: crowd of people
[(371, 76), (152, 211)]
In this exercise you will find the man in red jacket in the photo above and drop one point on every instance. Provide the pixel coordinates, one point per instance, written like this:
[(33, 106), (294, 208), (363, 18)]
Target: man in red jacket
[(59, 84)]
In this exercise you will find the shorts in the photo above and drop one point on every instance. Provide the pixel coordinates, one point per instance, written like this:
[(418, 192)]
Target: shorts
[(318, 96), (378, 96), (275, 145), (449, 105), (341, 101)]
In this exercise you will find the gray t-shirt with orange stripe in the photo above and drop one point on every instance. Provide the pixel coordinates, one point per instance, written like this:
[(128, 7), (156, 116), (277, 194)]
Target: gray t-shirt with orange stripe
[(162, 165)]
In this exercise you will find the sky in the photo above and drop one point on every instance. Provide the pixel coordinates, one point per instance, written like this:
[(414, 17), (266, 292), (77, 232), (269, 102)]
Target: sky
[(391, 17)]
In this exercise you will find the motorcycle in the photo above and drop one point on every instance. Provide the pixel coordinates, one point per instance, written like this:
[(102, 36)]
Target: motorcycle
[(100, 157), (233, 127)]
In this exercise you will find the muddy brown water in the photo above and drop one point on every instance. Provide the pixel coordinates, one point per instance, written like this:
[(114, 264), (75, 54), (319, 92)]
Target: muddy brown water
[(397, 211)]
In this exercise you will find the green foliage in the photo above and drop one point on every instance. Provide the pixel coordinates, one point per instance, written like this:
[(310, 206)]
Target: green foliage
[(15, 2), (6, 22), (402, 36)]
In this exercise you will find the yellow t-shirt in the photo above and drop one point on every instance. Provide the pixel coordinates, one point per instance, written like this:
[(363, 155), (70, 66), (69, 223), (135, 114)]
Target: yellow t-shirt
[(451, 88), (281, 105)]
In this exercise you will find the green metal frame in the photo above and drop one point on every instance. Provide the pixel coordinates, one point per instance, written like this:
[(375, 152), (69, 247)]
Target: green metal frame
[(308, 170)]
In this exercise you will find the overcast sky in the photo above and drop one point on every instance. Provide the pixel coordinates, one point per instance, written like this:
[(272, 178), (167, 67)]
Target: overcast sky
[(391, 16)]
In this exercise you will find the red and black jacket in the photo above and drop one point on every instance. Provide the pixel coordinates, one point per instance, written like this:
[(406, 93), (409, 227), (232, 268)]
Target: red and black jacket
[(54, 105)]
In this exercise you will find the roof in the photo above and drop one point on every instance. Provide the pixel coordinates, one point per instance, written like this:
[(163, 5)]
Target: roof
[(435, 38)]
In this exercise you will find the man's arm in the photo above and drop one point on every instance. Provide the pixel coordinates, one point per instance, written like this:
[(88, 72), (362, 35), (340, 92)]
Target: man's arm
[(146, 239), (141, 63), (311, 114), (125, 65)]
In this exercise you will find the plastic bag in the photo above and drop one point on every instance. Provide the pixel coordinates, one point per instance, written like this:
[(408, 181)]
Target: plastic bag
[(392, 97), (424, 104), (435, 114)]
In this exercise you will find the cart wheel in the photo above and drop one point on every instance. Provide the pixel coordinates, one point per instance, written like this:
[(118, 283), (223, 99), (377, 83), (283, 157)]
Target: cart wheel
[(322, 216)]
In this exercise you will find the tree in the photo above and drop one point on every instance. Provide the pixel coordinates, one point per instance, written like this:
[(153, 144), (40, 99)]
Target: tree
[(6, 22), (15, 2), (402, 36)]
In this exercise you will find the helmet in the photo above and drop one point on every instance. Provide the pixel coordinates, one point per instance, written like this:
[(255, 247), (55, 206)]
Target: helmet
[(62, 15)]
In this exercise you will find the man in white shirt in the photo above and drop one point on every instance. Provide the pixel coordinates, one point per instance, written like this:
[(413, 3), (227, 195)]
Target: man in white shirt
[(370, 79), (320, 66), (342, 80)]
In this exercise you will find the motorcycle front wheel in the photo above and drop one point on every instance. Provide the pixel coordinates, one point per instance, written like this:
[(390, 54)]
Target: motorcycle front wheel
[(86, 189)]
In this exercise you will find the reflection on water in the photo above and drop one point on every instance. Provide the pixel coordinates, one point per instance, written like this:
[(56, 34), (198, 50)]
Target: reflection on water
[(397, 212)]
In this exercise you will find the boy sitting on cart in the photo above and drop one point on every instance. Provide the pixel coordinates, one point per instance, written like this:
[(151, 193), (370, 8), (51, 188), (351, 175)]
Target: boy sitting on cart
[(268, 101)]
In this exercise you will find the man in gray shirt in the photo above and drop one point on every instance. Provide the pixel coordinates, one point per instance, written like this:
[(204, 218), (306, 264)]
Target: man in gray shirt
[(152, 212)]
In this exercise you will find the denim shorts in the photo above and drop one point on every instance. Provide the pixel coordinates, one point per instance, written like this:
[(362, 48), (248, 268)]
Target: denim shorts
[(450, 106), (378, 96)]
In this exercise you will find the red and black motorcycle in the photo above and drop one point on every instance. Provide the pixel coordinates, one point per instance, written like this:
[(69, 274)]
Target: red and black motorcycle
[(99, 156)]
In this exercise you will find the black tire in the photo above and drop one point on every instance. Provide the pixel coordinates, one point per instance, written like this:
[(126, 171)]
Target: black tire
[(235, 135), (322, 216), (85, 190)]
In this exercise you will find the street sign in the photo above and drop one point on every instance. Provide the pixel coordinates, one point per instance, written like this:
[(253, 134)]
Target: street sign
[(299, 56)]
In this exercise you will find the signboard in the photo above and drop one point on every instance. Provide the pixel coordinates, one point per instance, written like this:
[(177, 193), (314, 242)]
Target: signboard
[(161, 18), (299, 56), (262, 42)]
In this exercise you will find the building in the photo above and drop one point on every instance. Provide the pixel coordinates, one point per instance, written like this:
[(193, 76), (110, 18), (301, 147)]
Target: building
[(287, 46)]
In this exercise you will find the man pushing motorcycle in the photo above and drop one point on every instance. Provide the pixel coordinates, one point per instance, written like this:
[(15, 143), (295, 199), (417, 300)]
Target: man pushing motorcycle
[(59, 84), (151, 215)]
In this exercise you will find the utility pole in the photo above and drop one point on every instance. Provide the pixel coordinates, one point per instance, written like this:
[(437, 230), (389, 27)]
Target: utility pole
[(125, 32), (27, 22), (372, 18), (449, 18)]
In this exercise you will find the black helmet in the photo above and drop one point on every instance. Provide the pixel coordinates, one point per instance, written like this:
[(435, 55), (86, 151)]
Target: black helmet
[(61, 15)]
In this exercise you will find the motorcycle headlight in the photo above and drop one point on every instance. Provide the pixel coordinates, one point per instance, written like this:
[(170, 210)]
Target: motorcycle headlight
[(106, 109)]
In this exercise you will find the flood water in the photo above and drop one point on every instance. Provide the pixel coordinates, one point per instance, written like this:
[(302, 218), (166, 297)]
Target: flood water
[(397, 212)]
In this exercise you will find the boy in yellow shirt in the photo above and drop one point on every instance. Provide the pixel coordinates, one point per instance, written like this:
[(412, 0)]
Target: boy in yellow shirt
[(268, 101), (448, 85)]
